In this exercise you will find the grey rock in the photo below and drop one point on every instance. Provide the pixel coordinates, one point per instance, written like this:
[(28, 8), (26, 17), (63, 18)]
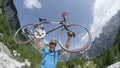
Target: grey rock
[(0, 11), (6, 61), (115, 65), (106, 38), (4, 49), (99, 45), (11, 13)]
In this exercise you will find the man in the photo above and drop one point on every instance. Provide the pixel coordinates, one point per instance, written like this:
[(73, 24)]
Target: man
[(50, 56)]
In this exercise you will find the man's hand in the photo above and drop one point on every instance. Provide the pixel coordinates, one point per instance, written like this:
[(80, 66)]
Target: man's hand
[(38, 41), (70, 34)]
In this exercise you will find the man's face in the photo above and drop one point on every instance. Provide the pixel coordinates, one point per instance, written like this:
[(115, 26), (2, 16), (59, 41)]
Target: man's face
[(52, 46)]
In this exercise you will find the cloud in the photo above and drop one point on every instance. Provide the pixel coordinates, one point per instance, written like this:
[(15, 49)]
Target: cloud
[(30, 4), (103, 10)]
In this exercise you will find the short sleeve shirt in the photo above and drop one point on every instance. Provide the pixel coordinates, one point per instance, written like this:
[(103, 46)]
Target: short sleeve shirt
[(49, 58)]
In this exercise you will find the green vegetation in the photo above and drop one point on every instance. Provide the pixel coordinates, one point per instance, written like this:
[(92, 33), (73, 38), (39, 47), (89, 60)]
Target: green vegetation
[(110, 56), (1, 4), (6, 37)]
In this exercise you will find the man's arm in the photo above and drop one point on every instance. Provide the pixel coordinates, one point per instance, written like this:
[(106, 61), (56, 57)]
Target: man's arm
[(38, 40), (70, 34)]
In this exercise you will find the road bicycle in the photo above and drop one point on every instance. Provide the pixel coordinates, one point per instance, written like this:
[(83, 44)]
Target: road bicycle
[(30, 32)]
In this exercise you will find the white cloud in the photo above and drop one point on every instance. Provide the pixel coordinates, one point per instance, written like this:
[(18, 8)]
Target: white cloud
[(30, 4), (103, 10)]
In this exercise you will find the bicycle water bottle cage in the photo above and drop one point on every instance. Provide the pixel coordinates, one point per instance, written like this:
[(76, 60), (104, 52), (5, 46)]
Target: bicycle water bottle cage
[(39, 33)]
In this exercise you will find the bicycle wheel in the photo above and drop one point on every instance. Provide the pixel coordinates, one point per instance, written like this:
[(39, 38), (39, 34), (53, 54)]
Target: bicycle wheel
[(80, 43), (24, 34)]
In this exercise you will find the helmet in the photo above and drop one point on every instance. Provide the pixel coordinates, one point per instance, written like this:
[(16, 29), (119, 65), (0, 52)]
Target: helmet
[(53, 41)]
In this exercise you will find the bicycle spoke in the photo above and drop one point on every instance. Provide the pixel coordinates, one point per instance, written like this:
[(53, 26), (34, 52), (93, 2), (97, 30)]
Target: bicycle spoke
[(80, 43), (23, 36)]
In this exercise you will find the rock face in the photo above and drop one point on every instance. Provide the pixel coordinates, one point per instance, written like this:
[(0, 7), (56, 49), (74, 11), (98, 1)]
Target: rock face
[(106, 38), (0, 11), (115, 65), (4, 49), (6, 61), (8, 9), (11, 13)]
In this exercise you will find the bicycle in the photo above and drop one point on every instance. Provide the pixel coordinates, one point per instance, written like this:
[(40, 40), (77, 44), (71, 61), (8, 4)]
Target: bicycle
[(32, 31)]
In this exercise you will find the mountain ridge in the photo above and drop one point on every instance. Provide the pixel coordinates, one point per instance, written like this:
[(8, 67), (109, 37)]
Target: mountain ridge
[(99, 45)]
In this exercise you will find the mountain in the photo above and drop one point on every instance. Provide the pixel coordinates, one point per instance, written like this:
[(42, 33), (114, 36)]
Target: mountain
[(11, 13), (99, 45), (115, 65), (6, 61), (9, 23), (110, 58), (106, 38)]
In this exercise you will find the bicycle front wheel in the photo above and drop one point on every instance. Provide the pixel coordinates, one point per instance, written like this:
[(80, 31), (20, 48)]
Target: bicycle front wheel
[(24, 34), (80, 43)]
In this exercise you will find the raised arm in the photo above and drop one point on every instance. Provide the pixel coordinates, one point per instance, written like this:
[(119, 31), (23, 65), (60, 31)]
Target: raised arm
[(70, 34), (38, 40)]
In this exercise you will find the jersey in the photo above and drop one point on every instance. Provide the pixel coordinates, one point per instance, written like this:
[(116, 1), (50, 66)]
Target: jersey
[(49, 58)]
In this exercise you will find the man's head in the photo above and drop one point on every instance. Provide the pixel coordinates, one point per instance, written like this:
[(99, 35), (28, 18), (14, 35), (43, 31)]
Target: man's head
[(52, 44)]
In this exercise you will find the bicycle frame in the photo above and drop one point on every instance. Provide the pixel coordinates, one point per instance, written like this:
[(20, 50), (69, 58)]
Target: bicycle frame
[(63, 24)]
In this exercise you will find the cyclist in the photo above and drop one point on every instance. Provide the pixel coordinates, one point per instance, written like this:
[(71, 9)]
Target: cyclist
[(50, 56)]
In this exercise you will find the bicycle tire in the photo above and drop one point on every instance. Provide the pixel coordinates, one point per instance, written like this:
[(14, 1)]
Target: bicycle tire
[(17, 33), (84, 48)]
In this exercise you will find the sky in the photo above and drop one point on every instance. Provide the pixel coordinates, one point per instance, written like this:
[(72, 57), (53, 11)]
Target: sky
[(30, 10), (103, 10), (92, 13)]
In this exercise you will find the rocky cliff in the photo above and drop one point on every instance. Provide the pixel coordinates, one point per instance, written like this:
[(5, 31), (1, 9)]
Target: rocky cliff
[(8, 24), (11, 13), (106, 38), (99, 45), (6, 61)]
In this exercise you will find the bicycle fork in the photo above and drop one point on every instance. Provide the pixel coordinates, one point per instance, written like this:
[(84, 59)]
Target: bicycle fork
[(65, 26), (68, 30)]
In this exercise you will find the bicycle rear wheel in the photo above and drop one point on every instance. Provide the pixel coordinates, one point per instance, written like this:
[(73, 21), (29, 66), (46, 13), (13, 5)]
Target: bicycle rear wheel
[(79, 43), (24, 34)]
